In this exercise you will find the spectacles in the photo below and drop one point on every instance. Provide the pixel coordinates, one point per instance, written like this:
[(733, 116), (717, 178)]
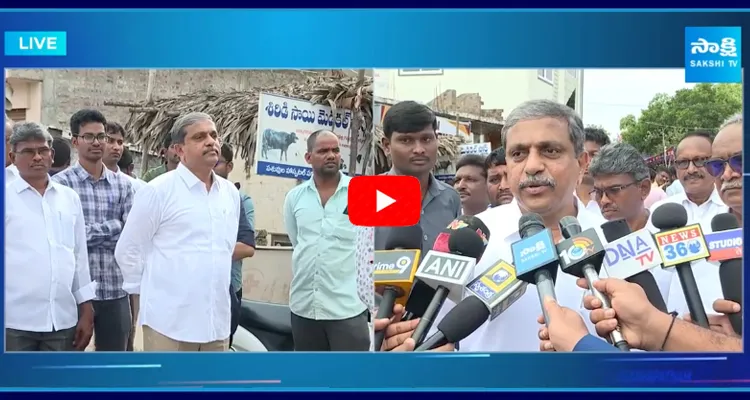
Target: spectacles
[(684, 164), (90, 138), (31, 153), (611, 191), (716, 166)]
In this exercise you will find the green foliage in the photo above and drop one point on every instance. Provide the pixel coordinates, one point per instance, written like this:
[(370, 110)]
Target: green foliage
[(705, 106)]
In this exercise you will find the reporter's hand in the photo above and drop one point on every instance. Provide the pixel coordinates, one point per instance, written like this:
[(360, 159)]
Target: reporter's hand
[(566, 328), (397, 333), (631, 310), (720, 322)]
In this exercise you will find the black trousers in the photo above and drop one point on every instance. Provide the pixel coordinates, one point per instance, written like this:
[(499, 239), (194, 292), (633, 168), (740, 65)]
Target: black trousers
[(236, 298), (351, 334)]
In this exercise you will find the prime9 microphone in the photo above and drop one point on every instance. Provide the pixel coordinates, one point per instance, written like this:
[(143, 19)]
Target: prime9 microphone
[(679, 245), (631, 256), (535, 257), (581, 255), (394, 271), (725, 246), (448, 273), (460, 322)]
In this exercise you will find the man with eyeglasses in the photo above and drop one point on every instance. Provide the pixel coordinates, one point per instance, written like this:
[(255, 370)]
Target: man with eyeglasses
[(622, 184), (48, 288), (726, 164), (106, 198), (702, 202)]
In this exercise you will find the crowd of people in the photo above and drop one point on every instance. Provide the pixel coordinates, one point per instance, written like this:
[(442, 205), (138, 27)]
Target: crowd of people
[(165, 250), (549, 164)]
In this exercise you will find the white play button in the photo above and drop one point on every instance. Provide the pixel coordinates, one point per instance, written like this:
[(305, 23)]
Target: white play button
[(382, 200)]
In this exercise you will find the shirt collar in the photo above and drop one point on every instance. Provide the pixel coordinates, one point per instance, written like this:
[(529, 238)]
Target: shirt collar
[(12, 169), (19, 184), (584, 216), (189, 177), (714, 198), (343, 182), (82, 174)]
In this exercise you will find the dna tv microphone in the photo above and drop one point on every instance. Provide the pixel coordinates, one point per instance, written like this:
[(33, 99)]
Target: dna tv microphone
[(460, 322), (725, 246), (535, 257), (497, 287), (631, 256), (394, 271), (679, 245), (581, 255), (448, 273)]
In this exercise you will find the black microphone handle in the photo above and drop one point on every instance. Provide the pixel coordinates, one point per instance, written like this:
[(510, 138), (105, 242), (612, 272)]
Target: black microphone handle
[(692, 295), (730, 275), (433, 342), (385, 310), (425, 323), (645, 280)]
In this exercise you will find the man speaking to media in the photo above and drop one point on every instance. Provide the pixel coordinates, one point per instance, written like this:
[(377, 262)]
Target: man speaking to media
[(545, 156)]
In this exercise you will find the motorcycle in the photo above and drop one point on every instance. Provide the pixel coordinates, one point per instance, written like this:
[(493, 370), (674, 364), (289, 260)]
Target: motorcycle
[(263, 327)]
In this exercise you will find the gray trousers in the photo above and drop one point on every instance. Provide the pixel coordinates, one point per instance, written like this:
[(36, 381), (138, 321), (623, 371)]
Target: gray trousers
[(62, 340), (351, 334), (112, 322)]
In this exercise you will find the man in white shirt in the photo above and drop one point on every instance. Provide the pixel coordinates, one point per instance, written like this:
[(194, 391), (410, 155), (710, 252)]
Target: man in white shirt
[(726, 164), (545, 156), (184, 224), (10, 170), (596, 138), (702, 202), (48, 289), (114, 150)]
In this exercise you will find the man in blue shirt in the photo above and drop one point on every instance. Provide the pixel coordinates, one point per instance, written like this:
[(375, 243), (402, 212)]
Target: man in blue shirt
[(327, 313)]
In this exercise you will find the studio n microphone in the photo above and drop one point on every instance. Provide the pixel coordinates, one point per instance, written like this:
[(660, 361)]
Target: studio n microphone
[(535, 257), (448, 273), (679, 245), (394, 271), (631, 256), (460, 322), (581, 255), (497, 287), (725, 246)]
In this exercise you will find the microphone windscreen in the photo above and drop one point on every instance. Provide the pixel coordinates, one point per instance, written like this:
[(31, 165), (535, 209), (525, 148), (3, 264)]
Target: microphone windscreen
[(463, 319), (669, 216), (529, 222), (474, 223), (466, 242), (724, 222), (616, 229), (404, 237)]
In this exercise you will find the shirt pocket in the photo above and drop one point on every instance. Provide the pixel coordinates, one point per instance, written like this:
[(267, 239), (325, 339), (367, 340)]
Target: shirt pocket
[(66, 228), (343, 229)]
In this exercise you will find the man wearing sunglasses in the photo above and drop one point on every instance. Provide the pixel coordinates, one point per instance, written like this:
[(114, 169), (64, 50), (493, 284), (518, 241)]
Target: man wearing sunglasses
[(726, 164), (702, 202)]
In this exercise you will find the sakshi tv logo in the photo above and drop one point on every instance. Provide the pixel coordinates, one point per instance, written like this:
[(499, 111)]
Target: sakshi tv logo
[(713, 54)]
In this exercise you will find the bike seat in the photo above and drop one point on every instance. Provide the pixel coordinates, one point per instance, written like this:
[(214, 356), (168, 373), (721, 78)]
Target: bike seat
[(266, 316)]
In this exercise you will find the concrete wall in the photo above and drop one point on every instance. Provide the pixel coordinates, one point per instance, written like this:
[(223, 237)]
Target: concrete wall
[(267, 275)]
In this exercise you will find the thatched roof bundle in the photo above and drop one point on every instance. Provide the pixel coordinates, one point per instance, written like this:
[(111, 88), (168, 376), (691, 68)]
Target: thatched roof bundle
[(236, 113)]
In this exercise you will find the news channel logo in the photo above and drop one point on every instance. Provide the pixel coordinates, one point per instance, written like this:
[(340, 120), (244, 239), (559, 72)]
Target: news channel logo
[(500, 276), (682, 245), (532, 252), (581, 247), (713, 54)]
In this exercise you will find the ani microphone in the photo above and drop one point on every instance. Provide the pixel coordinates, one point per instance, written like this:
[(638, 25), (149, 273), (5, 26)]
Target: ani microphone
[(394, 271), (631, 256), (679, 245), (725, 246), (460, 322), (535, 257), (448, 273)]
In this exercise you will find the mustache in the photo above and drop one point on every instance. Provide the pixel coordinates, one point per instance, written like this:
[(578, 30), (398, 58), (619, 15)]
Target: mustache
[(733, 184), (536, 181), (695, 175)]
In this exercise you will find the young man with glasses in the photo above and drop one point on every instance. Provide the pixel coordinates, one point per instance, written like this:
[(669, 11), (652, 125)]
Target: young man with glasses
[(106, 198)]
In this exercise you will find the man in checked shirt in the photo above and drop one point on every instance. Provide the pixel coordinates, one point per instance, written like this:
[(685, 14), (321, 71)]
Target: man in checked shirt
[(106, 198)]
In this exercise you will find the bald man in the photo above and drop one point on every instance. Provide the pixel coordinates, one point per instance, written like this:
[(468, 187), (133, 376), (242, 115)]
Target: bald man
[(11, 172)]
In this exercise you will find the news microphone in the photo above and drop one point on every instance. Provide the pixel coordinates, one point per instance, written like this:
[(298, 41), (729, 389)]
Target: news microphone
[(448, 273), (679, 245), (394, 271), (497, 287), (535, 257), (581, 255), (460, 322), (725, 245), (631, 256)]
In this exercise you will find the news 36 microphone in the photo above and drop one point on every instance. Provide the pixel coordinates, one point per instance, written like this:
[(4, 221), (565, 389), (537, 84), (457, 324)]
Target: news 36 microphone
[(631, 256), (535, 257), (679, 245), (394, 271), (725, 246), (581, 255), (460, 322), (448, 273), (497, 287)]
